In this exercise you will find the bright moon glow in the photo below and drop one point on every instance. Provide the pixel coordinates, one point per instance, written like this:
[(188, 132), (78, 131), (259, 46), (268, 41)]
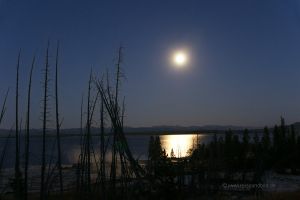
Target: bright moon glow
[(179, 143), (180, 58)]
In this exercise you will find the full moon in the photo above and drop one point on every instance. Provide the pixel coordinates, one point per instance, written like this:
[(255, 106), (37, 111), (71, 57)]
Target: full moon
[(180, 58)]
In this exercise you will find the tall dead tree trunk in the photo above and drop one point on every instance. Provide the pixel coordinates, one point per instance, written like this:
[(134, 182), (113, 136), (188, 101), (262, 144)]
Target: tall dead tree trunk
[(102, 150), (118, 75), (80, 159), (121, 153), (27, 140), (58, 125), (115, 106), (89, 138), (45, 108), (17, 159), (3, 108), (86, 155)]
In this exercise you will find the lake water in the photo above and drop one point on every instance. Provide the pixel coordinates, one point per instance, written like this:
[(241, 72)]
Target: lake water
[(138, 144), (180, 143)]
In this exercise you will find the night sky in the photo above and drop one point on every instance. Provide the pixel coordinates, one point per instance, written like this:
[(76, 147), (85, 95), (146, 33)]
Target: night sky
[(244, 65)]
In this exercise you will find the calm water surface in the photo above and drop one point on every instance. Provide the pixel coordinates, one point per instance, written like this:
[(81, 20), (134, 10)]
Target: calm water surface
[(138, 144)]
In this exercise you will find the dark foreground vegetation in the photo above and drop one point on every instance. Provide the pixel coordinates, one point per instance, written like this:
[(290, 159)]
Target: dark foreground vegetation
[(234, 159), (208, 172)]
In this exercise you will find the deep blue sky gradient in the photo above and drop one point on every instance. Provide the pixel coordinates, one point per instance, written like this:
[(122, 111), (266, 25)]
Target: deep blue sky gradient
[(244, 69)]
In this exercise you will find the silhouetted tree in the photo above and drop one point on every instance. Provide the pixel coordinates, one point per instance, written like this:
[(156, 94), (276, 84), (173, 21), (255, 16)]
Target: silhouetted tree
[(45, 109), (257, 150), (266, 142), (298, 152), (151, 148), (27, 132), (266, 146), (58, 124), (245, 142), (157, 150), (18, 175), (172, 154)]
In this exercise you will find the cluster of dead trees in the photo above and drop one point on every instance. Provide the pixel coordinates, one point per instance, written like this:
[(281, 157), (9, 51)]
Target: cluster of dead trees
[(19, 182), (118, 179)]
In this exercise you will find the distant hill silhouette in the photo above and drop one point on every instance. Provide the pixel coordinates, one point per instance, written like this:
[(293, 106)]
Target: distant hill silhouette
[(156, 129), (152, 129), (163, 129)]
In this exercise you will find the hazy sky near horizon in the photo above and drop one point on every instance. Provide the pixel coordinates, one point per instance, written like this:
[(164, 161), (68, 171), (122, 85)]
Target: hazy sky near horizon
[(244, 64)]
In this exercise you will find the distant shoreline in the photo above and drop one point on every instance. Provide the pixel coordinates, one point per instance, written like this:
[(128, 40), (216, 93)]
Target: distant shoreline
[(52, 133)]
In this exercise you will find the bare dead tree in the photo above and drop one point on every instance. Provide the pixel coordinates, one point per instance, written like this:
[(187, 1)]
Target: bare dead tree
[(88, 136), (80, 159), (115, 106), (3, 109), (45, 108), (27, 132), (17, 153), (85, 160), (58, 124), (102, 150), (118, 74), (120, 149)]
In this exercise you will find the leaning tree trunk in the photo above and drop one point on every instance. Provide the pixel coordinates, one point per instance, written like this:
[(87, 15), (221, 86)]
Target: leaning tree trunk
[(130, 168)]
